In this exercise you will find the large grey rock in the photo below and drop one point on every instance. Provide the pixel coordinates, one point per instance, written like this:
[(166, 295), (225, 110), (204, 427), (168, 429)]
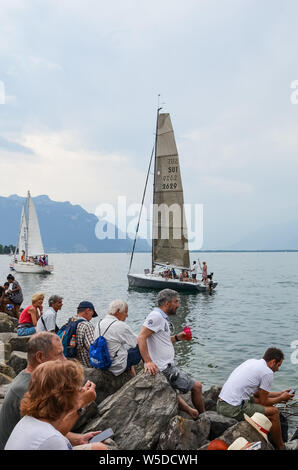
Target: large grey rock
[(106, 383), (19, 343), (244, 429), (210, 397), (7, 323), (218, 424), (138, 413), (185, 434), (18, 361), (8, 370), (5, 379), (6, 336), (292, 445), (89, 413)]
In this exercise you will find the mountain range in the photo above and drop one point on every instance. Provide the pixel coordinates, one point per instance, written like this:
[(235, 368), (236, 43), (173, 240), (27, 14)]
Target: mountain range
[(65, 228)]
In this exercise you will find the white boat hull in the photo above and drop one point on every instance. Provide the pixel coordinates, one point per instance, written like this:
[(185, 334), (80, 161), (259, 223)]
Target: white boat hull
[(32, 268), (152, 281)]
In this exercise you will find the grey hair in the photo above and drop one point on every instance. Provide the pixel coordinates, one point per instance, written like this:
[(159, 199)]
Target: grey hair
[(116, 305), (42, 341), (53, 299), (166, 295)]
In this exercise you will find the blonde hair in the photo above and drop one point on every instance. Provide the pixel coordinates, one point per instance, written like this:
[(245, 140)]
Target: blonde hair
[(53, 389), (36, 297)]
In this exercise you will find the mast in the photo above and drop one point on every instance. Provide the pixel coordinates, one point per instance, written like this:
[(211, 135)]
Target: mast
[(27, 226), (155, 148)]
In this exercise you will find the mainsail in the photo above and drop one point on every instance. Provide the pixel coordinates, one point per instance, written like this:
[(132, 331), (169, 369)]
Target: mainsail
[(21, 245), (34, 241), (169, 237)]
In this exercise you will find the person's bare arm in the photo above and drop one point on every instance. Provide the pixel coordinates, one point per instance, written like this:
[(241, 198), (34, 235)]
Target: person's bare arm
[(271, 398), (142, 342)]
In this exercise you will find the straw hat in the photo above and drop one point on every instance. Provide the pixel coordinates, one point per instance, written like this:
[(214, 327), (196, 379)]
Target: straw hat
[(260, 423), (238, 444)]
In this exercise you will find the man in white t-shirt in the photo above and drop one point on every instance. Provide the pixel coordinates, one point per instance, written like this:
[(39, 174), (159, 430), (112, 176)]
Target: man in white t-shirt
[(122, 343), (156, 346), (248, 390)]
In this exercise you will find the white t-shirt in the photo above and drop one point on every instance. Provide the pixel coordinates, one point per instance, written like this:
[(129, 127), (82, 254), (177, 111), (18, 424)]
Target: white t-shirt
[(32, 434), (246, 380), (119, 338), (160, 346), (49, 318)]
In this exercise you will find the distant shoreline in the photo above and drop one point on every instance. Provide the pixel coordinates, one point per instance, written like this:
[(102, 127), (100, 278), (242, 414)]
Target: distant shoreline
[(193, 251)]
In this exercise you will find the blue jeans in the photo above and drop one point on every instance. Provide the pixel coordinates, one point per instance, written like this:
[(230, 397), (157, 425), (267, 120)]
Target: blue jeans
[(133, 357), (26, 331)]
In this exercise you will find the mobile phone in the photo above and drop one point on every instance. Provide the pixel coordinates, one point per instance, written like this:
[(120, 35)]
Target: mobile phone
[(254, 446), (102, 436), (292, 392)]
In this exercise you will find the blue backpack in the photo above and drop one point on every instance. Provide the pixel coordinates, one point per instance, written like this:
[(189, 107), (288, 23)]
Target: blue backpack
[(67, 334), (99, 356)]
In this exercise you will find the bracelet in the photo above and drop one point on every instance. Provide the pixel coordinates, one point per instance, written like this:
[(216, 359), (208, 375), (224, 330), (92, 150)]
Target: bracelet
[(176, 338)]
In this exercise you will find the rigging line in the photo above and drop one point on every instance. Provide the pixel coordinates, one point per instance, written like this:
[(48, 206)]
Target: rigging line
[(144, 193)]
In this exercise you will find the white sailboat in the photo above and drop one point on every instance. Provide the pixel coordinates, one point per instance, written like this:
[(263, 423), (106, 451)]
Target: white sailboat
[(170, 252), (29, 256)]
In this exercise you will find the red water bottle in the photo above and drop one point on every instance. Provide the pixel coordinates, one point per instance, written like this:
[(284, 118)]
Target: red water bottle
[(187, 331)]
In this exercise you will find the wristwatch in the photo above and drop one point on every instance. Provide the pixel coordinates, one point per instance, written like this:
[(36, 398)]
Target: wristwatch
[(176, 338)]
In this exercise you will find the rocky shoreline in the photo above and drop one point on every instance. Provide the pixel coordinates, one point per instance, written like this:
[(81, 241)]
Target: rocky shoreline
[(142, 411)]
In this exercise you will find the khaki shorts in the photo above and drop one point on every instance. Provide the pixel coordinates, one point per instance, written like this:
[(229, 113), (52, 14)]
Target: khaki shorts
[(249, 407)]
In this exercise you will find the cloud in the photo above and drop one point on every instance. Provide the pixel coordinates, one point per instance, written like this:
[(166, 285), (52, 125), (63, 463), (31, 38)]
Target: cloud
[(65, 169)]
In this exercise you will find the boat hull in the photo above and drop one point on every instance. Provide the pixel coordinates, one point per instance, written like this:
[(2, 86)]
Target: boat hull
[(149, 281), (32, 268)]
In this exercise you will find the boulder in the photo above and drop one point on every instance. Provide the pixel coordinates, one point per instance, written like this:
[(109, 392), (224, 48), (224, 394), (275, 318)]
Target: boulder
[(106, 383), (7, 323), (90, 412), (185, 434), (210, 398), (292, 445), (5, 379), (244, 429), (18, 361), (218, 424), (138, 413), (19, 343), (7, 370), (6, 336)]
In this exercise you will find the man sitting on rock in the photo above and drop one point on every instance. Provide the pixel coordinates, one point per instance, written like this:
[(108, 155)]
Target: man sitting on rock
[(156, 347), (247, 391), (42, 347), (121, 341)]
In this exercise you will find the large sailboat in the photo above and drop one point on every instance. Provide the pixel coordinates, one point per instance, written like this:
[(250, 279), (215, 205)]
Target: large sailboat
[(29, 256), (170, 252)]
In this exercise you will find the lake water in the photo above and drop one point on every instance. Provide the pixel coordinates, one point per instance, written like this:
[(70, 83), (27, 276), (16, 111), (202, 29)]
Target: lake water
[(253, 307)]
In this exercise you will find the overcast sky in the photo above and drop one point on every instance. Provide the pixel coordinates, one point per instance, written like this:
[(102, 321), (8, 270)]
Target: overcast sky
[(81, 81)]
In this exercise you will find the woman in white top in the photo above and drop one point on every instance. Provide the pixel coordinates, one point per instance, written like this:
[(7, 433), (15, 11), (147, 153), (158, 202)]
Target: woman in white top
[(50, 408)]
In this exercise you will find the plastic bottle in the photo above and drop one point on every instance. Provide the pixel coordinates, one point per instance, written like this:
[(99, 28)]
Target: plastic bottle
[(188, 333)]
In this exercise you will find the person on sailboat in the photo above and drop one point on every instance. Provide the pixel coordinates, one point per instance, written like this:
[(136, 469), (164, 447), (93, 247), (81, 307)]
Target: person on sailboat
[(156, 346), (194, 272), (205, 273), (23, 256), (30, 316)]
